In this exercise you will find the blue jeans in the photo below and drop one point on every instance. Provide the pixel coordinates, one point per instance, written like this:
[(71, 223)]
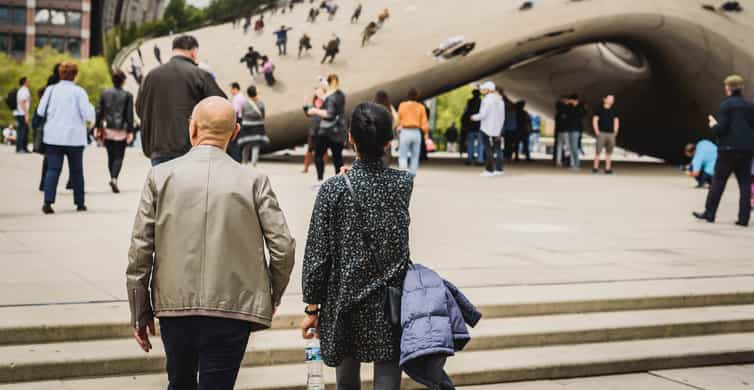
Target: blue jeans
[(75, 155), (212, 347), (411, 142), (22, 134), (160, 160), (475, 147)]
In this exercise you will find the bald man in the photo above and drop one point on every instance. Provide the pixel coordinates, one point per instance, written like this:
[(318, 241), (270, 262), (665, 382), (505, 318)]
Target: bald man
[(197, 259)]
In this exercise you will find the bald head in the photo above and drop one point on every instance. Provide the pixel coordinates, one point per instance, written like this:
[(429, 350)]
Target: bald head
[(213, 122)]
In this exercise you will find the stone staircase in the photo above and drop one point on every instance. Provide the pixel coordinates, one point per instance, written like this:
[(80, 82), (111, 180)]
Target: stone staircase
[(528, 333)]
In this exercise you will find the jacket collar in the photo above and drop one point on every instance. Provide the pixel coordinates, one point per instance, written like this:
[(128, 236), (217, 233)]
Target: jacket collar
[(368, 165), (182, 58)]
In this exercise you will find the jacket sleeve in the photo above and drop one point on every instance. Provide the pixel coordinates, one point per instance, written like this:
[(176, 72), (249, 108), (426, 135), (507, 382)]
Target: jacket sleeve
[(100, 111), (317, 257), (470, 313), (484, 109), (723, 121), (211, 87), (86, 109), (146, 141), (141, 257), (278, 238), (129, 114)]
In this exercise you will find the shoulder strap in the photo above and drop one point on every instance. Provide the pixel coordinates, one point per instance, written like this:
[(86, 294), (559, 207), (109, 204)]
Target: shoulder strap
[(255, 107), (49, 100), (364, 236)]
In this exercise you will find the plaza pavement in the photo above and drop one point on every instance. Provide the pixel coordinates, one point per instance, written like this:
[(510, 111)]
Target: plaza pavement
[(534, 226)]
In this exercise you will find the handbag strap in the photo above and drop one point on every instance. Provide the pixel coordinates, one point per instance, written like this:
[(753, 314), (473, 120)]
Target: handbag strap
[(49, 100), (358, 210)]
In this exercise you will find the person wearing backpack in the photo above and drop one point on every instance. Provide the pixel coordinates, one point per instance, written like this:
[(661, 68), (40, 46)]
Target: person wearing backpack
[(21, 106)]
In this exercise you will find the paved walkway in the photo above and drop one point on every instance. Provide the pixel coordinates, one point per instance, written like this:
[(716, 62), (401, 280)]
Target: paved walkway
[(534, 226), (705, 378)]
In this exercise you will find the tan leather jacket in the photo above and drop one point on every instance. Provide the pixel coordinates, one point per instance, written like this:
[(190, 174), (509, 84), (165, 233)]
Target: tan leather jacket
[(199, 236)]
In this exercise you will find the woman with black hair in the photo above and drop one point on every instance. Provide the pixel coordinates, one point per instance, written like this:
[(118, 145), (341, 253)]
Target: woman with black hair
[(115, 125), (331, 131), (383, 99), (344, 278)]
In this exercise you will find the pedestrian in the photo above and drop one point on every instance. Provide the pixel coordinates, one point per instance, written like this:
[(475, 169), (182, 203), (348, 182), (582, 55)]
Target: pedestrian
[(734, 126), (345, 293), (382, 17), (571, 128), (474, 137), (382, 98), (523, 131), (165, 100), (268, 69), (606, 125), (53, 79), (136, 71), (492, 116), (316, 101), (281, 39), (510, 127), (313, 13), (21, 112), (331, 133), (703, 157), (331, 49), (451, 138), (332, 9), (259, 25), (368, 32), (251, 58), (536, 133), (356, 14), (247, 24), (412, 127), (237, 99), (115, 125), (304, 44), (157, 54), (66, 109), (10, 135), (252, 136), (197, 257)]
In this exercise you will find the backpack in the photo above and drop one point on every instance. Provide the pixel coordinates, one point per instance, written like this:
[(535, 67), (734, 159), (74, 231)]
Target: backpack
[(10, 100)]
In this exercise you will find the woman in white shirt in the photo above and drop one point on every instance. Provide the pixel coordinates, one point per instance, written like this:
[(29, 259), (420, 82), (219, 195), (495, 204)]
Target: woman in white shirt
[(67, 109)]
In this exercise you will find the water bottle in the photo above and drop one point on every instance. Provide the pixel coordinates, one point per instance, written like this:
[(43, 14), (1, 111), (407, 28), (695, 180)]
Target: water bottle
[(314, 380)]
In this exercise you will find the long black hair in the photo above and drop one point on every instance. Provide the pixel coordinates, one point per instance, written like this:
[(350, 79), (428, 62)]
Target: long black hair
[(371, 129)]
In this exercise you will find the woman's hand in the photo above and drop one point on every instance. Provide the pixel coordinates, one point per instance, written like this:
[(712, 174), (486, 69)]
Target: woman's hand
[(310, 321)]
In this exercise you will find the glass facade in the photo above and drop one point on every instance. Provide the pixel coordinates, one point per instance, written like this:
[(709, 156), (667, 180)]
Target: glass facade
[(70, 45), (14, 16), (57, 17), (17, 44)]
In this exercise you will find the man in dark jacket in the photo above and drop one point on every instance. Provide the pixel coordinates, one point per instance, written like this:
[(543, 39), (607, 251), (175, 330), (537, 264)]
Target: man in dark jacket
[(474, 143), (251, 58), (734, 126), (166, 98)]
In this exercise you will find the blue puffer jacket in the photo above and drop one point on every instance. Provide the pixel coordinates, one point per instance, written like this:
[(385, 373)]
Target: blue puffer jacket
[(434, 314)]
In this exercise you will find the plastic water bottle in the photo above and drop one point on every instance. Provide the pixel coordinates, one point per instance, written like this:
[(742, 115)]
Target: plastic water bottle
[(314, 380)]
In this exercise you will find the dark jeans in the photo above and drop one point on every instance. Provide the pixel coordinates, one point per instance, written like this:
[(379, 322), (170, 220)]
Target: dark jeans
[(22, 134), (55, 155), (387, 375), (322, 143), (282, 47), (211, 347), (116, 150), (329, 54), (736, 162), (493, 153)]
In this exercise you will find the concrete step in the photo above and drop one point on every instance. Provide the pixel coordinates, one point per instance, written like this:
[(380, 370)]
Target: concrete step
[(35, 362), (76, 322), (485, 367)]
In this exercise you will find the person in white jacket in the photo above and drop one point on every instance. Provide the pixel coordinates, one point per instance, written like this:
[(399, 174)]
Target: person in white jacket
[(492, 116)]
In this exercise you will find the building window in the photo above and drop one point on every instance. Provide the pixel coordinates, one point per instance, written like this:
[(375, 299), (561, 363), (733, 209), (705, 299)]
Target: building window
[(4, 43), (5, 15), (42, 16), (57, 17), (73, 19), (73, 46), (18, 16), (18, 44)]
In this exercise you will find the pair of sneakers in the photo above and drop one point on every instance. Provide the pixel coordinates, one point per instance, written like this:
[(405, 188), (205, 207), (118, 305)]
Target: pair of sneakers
[(491, 174)]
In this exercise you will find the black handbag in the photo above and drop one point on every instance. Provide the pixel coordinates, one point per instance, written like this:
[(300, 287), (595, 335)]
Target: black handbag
[(392, 296), (38, 124)]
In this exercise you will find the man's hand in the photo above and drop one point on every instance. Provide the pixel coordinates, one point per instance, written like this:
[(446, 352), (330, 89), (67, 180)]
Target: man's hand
[(712, 121), (142, 337), (130, 138), (308, 323)]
